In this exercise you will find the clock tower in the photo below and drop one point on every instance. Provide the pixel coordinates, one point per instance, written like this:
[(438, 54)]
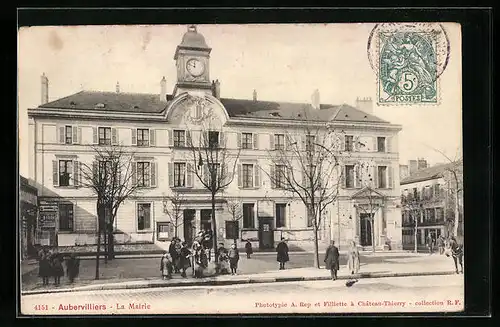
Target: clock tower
[(192, 58)]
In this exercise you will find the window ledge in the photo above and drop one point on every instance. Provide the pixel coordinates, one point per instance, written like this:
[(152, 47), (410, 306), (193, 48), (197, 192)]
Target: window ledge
[(66, 232), (68, 187), (249, 229), (249, 188), (144, 231)]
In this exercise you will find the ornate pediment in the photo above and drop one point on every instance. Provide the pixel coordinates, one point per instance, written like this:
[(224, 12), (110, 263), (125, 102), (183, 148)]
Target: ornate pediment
[(367, 192)]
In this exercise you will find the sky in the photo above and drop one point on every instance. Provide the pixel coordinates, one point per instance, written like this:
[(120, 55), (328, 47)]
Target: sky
[(284, 62)]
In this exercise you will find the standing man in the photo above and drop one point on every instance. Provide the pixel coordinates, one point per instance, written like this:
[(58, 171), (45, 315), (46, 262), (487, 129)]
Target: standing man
[(430, 243), (332, 260), (440, 244), (457, 252), (282, 253)]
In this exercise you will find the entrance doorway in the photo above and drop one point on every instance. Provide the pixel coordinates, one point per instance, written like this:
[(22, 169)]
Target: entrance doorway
[(188, 223), (266, 233), (365, 237)]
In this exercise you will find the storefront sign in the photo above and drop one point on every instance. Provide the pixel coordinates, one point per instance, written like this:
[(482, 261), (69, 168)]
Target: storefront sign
[(48, 214), (265, 208)]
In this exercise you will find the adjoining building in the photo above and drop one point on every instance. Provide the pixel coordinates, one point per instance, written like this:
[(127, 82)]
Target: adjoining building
[(156, 126), (28, 208), (428, 199)]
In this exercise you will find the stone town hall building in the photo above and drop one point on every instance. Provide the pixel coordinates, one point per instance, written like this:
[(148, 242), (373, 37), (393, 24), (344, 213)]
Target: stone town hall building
[(155, 127)]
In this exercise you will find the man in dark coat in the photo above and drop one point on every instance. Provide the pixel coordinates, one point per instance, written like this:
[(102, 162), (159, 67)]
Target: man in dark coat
[(248, 249), (457, 252), (332, 260), (57, 268), (174, 254), (282, 253), (44, 268), (72, 267)]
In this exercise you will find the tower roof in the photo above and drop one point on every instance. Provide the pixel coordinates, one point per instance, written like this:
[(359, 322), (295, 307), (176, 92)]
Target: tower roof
[(192, 40)]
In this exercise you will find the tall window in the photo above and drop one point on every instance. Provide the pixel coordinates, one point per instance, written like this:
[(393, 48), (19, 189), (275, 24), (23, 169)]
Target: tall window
[(142, 137), (280, 180), (232, 230), (279, 142), (143, 174), (440, 214), (349, 143), (437, 193), (143, 216), (247, 175), (213, 139), (246, 140), (179, 174), (248, 215), (104, 135), (382, 176), (65, 172), (310, 139), (381, 144), (179, 138), (280, 215), (66, 217), (68, 134), (349, 176)]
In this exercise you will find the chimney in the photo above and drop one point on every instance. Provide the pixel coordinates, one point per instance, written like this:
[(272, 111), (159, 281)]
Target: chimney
[(163, 90), (216, 88), (412, 166), (315, 99), (45, 89), (254, 95), (117, 87), (365, 104)]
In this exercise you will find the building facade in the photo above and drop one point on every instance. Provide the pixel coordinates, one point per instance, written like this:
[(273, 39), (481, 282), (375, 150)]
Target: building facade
[(157, 129), (428, 200), (28, 208)]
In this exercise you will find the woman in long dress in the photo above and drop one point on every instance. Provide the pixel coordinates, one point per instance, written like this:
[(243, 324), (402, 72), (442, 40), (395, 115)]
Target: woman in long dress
[(353, 258)]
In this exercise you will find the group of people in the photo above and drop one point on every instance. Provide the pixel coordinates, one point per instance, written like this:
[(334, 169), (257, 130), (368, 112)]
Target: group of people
[(332, 259), (178, 258), (51, 265), (449, 247)]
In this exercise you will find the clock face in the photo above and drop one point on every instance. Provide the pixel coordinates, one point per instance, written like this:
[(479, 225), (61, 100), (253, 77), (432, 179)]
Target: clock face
[(195, 67)]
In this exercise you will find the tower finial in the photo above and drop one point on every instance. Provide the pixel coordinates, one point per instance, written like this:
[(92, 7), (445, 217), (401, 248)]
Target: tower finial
[(192, 28)]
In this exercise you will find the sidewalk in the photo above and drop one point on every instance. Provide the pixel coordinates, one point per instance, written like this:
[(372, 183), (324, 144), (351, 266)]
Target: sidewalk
[(412, 265)]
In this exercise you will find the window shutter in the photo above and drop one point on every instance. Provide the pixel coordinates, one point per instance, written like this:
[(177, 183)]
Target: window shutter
[(357, 176), (170, 137), (390, 177), (153, 173), (255, 141), (206, 174), (170, 174), (288, 142), (356, 143), (76, 173), (94, 135), (62, 137), (114, 136), (341, 145), (388, 144), (75, 135), (222, 140), (189, 174), (134, 136), (375, 177), (80, 135), (152, 137), (55, 173), (272, 176), (134, 173), (240, 180), (189, 139), (257, 175), (303, 141), (304, 178), (271, 141), (95, 172), (342, 176), (239, 140)]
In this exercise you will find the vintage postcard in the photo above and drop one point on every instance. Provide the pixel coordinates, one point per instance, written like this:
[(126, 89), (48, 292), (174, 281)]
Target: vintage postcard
[(240, 169)]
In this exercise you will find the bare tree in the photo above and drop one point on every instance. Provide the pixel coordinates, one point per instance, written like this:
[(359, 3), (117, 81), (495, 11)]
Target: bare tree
[(307, 166), (172, 206), (212, 163), (110, 178), (413, 208), (235, 209)]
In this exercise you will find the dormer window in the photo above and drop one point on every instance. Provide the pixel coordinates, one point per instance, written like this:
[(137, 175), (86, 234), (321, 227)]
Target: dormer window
[(100, 105), (72, 103)]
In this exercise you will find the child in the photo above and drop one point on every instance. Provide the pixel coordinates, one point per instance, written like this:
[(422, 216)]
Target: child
[(166, 264), (234, 257), (248, 249)]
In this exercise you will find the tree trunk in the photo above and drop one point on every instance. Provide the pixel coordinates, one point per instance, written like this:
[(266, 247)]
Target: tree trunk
[(316, 245), (457, 216), (214, 229), (99, 218), (105, 246), (111, 245), (416, 243), (372, 222)]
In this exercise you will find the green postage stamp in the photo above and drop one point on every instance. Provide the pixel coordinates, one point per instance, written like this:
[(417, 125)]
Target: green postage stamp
[(408, 62)]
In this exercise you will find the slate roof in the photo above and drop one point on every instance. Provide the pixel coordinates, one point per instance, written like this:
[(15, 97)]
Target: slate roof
[(428, 173), (241, 108)]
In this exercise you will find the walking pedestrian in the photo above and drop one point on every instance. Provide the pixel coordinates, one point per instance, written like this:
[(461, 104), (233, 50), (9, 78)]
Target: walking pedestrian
[(72, 267), (282, 253), (234, 257), (457, 252), (430, 243), (174, 254), (440, 244), (248, 249), (44, 265), (185, 259), (353, 258), (166, 265), (178, 249), (332, 260), (57, 268)]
